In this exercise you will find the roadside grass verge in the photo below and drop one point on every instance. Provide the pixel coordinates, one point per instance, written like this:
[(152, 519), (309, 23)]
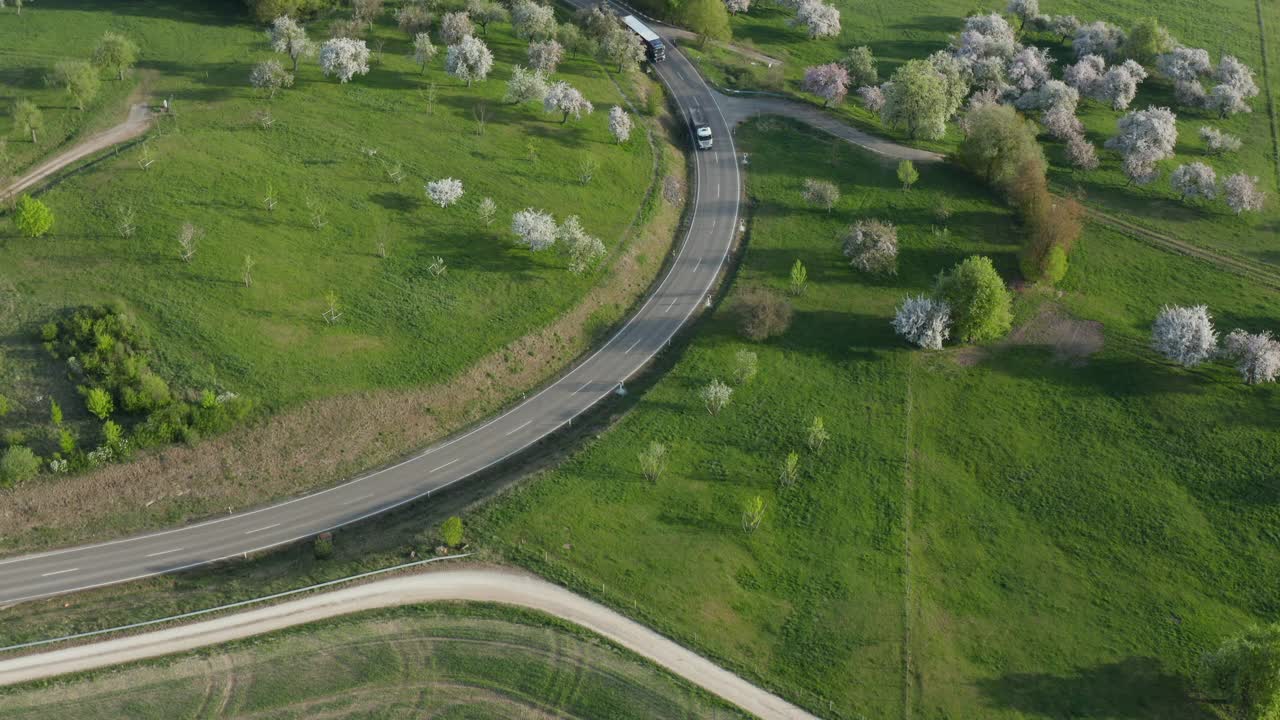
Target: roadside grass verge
[(446, 660)]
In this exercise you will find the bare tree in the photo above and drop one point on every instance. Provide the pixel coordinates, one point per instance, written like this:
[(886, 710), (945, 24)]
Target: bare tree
[(188, 240), (126, 220), (246, 270), (653, 461)]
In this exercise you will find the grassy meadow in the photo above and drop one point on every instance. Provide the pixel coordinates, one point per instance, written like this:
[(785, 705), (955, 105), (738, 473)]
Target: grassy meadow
[(330, 151), (900, 31), (1082, 518), (442, 661)]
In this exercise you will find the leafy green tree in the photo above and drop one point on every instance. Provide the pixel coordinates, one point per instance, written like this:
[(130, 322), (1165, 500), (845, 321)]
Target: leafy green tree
[(451, 531), (80, 80), (98, 402), (66, 441), (32, 217), (861, 66), (115, 53), (1244, 672), (916, 99), (799, 278), (707, 18), (18, 464), (112, 434), (997, 142), (55, 413), (28, 118), (4, 406), (981, 306), (1146, 40), (907, 174)]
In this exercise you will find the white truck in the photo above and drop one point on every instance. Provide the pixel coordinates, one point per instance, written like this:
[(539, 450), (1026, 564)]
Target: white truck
[(701, 130)]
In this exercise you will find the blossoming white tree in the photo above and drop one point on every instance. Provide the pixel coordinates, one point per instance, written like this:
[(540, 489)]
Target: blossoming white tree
[(344, 57), (1064, 26), (1145, 138), (469, 60), (1024, 10), (819, 19), (532, 21), (829, 82), (1081, 153), (1242, 194), (1218, 142), (1085, 74), (737, 6), (546, 55), (525, 85), (872, 97), (1029, 68), (1184, 67), (1257, 355), (535, 229), (1119, 85), (1195, 180), (715, 395), (290, 38), (454, 26), (564, 98), (584, 250), (619, 123), (923, 321), (820, 193), (1185, 335), (270, 75), (985, 36), (423, 51), (1235, 87), (1098, 38), (444, 192), (872, 246), (623, 47)]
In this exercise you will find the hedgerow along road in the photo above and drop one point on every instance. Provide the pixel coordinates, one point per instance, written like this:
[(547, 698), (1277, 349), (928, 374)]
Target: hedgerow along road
[(686, 286)]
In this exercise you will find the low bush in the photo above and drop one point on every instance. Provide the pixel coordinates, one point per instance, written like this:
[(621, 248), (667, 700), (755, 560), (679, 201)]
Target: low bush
[(762, 314)]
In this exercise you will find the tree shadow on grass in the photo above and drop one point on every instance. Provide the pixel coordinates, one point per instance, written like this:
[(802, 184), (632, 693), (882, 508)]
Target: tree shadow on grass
[(1136, 687), (398, 201)]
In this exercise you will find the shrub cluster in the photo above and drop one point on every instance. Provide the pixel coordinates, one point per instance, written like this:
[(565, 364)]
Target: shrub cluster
[(108, 356), (1000, 146)]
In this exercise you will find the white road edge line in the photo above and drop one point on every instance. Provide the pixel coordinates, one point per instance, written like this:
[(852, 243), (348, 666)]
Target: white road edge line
[(684, 246), (516, 430), (634, 344), (164, 552), (59, 572), (445, 465), (250, 532)]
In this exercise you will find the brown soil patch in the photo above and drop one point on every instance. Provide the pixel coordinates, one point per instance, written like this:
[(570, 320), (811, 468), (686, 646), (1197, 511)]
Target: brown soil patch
[(1072, 340), (324, 441)]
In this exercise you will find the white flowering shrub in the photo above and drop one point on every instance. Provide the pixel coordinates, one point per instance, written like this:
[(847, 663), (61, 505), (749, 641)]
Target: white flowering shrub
[(1184, 335), (444, 192), (535, 229), (923, 321)]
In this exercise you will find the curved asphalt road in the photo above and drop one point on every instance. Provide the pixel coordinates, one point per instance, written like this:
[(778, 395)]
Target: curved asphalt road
[(686, 286)]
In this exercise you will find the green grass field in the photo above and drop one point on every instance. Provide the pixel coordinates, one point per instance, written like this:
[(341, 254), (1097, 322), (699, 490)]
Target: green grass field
[(901, 31), (400, 325), (1084, 518), (442, 661)]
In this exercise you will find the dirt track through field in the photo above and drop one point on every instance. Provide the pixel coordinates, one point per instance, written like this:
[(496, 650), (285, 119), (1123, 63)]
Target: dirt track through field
[(495, 585), (137, 123)]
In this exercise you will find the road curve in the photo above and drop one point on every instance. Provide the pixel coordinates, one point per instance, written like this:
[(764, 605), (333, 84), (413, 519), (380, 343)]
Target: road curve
[(713, 225), (137, 123), (478, 585)]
